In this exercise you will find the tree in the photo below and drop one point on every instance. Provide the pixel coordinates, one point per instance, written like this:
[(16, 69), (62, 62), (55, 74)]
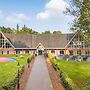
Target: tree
[(35, 32), (46, 32), (26, 30), (17, 28), (82, 22), (57, 32), (6, 29)]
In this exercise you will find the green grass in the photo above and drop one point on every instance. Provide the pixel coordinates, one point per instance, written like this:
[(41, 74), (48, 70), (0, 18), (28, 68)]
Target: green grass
[(77, 73), (9, 70)]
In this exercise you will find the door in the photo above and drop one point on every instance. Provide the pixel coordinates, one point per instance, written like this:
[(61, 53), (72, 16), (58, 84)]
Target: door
[(40, 52)]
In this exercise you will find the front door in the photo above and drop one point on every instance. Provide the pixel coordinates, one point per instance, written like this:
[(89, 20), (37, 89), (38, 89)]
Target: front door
[(40, 52)]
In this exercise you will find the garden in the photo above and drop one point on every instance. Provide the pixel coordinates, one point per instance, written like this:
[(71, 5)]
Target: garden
[(74, 75), (9, 70)]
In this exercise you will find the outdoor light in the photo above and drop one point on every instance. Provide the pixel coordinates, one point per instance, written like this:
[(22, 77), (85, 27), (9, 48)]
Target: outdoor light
[(18, 85)]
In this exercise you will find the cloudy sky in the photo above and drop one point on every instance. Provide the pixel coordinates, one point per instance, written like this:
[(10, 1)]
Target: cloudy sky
[(40, 15)]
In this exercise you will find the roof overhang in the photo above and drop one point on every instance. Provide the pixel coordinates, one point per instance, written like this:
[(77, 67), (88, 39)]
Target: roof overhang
[(36, 48)]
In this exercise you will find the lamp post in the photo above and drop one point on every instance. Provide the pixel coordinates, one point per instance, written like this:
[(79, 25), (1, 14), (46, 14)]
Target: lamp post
[(18, 85)]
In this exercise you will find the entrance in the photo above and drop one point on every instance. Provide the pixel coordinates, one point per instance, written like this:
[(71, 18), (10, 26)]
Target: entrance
[(40, 52)]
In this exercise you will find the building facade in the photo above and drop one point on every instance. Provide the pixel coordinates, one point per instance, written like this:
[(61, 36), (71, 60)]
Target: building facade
[(71, 44)]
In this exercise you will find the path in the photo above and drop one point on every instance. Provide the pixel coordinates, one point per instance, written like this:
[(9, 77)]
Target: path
[(39, 78)]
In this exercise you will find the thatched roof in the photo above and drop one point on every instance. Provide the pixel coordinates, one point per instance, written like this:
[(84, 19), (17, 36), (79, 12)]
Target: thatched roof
[(47, 40)]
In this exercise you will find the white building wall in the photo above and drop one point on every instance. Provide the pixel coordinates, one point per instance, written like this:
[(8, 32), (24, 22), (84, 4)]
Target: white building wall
[(11, 52), (4, 52), (22, 52)]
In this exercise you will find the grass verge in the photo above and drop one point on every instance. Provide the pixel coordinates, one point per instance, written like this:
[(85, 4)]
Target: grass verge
[(9, 71), (76, 74)]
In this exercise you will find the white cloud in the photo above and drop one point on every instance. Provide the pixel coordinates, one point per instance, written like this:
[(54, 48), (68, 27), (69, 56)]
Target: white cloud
[(56, 4), (17, 18), (53, 10), (43, 15)]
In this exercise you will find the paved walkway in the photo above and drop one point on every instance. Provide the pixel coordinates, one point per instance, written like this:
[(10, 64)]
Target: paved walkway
[(39, 78)]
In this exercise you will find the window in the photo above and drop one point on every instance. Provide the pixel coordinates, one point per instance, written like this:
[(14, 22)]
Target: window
[(2, 52), (7, 52), (79, 52), (52, 51), (27, 51), (71, 52), (17, 51), (62, 52), (87, 52), (4, 43)]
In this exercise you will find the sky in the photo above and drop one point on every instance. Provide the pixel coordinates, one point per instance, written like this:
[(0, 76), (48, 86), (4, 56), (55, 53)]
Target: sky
[(40, 15)]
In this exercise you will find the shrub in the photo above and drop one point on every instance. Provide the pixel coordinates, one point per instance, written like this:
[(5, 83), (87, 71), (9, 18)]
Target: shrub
[(10, 85), (21, 56), (88, 86), (16, 55), (62, 76), (65, 56), (65, 83), (28, 60)]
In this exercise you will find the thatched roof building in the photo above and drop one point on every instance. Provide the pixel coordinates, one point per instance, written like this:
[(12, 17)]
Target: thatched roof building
[(31, 41)]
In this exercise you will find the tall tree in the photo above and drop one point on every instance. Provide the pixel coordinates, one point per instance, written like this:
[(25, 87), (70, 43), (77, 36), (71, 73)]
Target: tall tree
[(17, 28), (26, 30), (82, 22)]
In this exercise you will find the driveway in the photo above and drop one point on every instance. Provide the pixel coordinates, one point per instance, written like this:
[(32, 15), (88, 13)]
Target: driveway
[(39, 78)]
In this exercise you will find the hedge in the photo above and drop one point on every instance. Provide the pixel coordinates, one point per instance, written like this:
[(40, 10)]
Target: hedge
[(11, 84), (66, 85)]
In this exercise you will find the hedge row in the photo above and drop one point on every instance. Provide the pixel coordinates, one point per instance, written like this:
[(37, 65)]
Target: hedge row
[(88, 85), (66, 85), (11, 84)]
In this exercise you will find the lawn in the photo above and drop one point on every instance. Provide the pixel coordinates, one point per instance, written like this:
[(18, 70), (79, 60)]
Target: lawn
[(8, 70), (77, 73)]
